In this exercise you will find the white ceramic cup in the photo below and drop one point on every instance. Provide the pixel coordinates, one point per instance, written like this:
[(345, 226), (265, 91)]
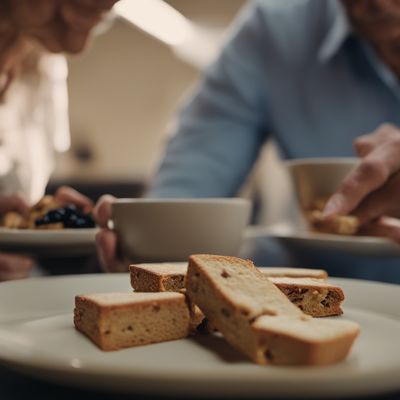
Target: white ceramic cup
[(156, 230), (315, 178)]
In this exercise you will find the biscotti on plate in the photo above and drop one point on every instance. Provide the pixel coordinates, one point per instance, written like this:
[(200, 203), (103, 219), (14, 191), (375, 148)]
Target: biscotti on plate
[(303, 341), (158, 277), (170, 277), (118, 320), (340, 225), (255, 317), (286, 272), (313, 296)]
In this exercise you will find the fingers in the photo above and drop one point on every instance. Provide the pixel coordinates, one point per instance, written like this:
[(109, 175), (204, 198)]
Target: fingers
[(373, 172), (66, 194), (5, 81), (74, 42), (57, 37), (58, 25), (363, 145), (384, 201), (79, 18), (384, 227), (14, 266), (95, 4), (366, 143), (106, 243), (49, 35), (13, 49), (369, 175), (106, 240), (102, 210), (27, 15), (13, 202)]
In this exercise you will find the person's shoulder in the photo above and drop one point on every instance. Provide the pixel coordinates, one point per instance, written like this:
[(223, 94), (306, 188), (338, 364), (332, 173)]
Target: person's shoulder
[(294, 28), (292, 8), (272, 19)]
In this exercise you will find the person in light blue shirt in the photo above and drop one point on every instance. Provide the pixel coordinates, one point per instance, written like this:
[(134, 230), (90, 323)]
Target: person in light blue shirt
[(299, 72)]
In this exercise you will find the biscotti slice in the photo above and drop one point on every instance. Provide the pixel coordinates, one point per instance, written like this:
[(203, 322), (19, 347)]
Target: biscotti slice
[(233, 295), (115, 321), (303, 341), (160, 277), (284, 272), (170, 277), (313, 296), (340, 225)]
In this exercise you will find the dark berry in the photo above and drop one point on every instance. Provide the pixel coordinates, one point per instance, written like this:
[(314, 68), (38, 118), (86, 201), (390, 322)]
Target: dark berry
[(56, 215), (42, 221), (70, 208), (70, 216)]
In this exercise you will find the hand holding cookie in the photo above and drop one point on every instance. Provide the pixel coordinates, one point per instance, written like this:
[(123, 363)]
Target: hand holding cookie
[(372, 190)]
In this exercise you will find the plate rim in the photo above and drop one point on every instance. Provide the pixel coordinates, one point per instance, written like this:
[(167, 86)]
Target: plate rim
[(382, 247)]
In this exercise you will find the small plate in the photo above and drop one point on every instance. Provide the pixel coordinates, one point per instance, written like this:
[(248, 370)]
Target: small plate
[(63, 242), (37, 337), (297, 238)]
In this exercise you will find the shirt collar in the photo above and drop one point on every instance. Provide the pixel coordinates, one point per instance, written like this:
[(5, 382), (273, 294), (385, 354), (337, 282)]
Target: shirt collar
[(338, 31)]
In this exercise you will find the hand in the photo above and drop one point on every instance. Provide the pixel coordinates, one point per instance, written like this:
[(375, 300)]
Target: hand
[(13, 49), (14, 266), (58, 25), (106, 239), (383, 226), (13, 202), (372, 189), (66, 195)]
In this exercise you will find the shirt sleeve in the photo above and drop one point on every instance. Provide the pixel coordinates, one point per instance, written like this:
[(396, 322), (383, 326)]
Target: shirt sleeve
[(222, 128)]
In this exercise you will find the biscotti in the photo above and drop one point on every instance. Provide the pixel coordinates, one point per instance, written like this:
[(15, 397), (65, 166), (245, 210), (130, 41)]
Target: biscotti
[(340, 225), (284, 272), (118, 320), (160, 277), (303, 341), (256, 318), (170, 277), (313, 296)]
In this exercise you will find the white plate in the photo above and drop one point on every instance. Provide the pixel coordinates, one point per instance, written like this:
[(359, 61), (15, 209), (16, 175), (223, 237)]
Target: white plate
[(297, 238), (48, 242), (37, 337)]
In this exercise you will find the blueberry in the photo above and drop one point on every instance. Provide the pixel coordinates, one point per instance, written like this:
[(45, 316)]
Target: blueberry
[(70, 209), (80, 222), (89, 221), (56, 215), (71, 221), (84, 221), (70, 215), (43, 221)]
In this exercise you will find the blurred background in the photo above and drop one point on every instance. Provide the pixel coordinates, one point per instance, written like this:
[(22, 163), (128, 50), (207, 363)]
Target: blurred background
[(124, 92)]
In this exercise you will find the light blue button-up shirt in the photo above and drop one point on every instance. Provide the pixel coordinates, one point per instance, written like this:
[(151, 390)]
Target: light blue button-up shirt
[(294, 71)]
